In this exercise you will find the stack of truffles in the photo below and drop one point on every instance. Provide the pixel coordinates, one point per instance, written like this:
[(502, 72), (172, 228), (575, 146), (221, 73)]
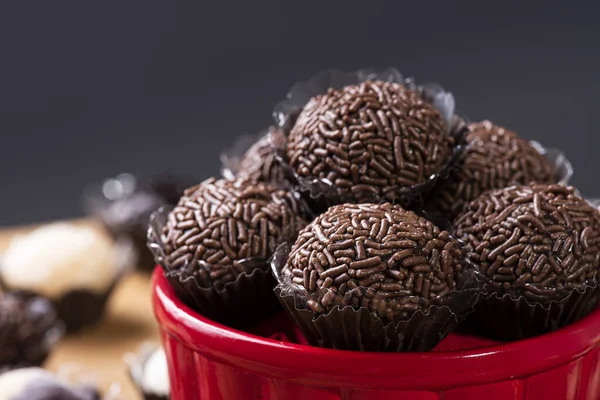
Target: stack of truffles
[(381, 219)]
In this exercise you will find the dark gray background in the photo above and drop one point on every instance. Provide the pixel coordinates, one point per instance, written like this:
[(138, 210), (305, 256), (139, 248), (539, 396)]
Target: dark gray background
[(89, 89)]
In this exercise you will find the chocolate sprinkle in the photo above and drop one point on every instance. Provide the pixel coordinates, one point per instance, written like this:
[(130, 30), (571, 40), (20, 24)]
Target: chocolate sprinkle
[(494, 158), (540, 241), (259, 163), (369, 140), (218, 225), (382, 257)]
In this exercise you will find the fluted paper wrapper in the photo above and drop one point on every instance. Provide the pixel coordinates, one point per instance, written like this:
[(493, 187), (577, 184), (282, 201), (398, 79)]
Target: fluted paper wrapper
[(357, 329), (241, 303), (508, 318)]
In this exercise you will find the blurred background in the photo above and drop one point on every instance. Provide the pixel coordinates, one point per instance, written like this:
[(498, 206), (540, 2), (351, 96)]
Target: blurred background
[(90, 89)]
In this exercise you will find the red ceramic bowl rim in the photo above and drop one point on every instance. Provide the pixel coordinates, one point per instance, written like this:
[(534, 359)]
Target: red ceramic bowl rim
[(326, 367)]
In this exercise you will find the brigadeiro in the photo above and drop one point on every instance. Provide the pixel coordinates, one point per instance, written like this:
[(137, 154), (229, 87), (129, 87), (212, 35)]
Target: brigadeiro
[(73, 265), (124, 205), (29, 330), (379, 138), (374, 278), (214, 246), (494, 158), (538, 248), (39, 384), (255, 159)]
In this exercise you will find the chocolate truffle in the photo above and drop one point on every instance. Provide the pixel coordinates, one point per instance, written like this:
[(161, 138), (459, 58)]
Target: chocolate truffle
[(217, 241), (219, 223), (29, 328), (259, 162), (74, 266), (376, 140), (124, 205), (39, 384), (494, 158), (538, 246), (382, 257)]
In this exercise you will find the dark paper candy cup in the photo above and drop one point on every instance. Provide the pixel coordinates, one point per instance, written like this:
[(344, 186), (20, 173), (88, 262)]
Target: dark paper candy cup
[(240, 303), (80, 308), (506, 318), (350, 328)]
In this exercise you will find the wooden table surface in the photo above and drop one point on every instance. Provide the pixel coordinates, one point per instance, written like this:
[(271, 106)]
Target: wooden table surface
[(100, 349)]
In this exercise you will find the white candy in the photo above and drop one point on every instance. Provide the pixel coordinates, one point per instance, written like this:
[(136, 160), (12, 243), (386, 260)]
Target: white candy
[(13, 383), (58, 258), (155, 377)]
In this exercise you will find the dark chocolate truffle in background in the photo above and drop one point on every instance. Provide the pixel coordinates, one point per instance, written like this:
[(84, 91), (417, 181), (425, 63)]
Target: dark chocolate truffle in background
[(259, 162), (29, 329), (39, 384), (372, 141), (124, 205), (217, 241), (538, 248), (379, 259), (494, 158)]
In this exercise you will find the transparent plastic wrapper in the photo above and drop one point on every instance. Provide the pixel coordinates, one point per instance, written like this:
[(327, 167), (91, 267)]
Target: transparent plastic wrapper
[(29, 330), (234, 285), (69, 383), (403, 291), (540, 271), (148, 372), (563, 169), (389, 156), (124, 204)]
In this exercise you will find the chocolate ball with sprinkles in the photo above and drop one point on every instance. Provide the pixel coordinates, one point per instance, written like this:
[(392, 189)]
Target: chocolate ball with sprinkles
[(259, 162), (214, 246), (494, 158), (539, 248), (372, 277), (369, 142)]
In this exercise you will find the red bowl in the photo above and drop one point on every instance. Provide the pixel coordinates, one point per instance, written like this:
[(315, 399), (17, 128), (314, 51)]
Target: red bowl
[(210, 361)]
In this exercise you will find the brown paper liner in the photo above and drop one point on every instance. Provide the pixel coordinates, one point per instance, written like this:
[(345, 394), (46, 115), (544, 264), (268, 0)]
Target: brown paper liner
[(350, 329), (241, 303), (507, 319), (79, 309)]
